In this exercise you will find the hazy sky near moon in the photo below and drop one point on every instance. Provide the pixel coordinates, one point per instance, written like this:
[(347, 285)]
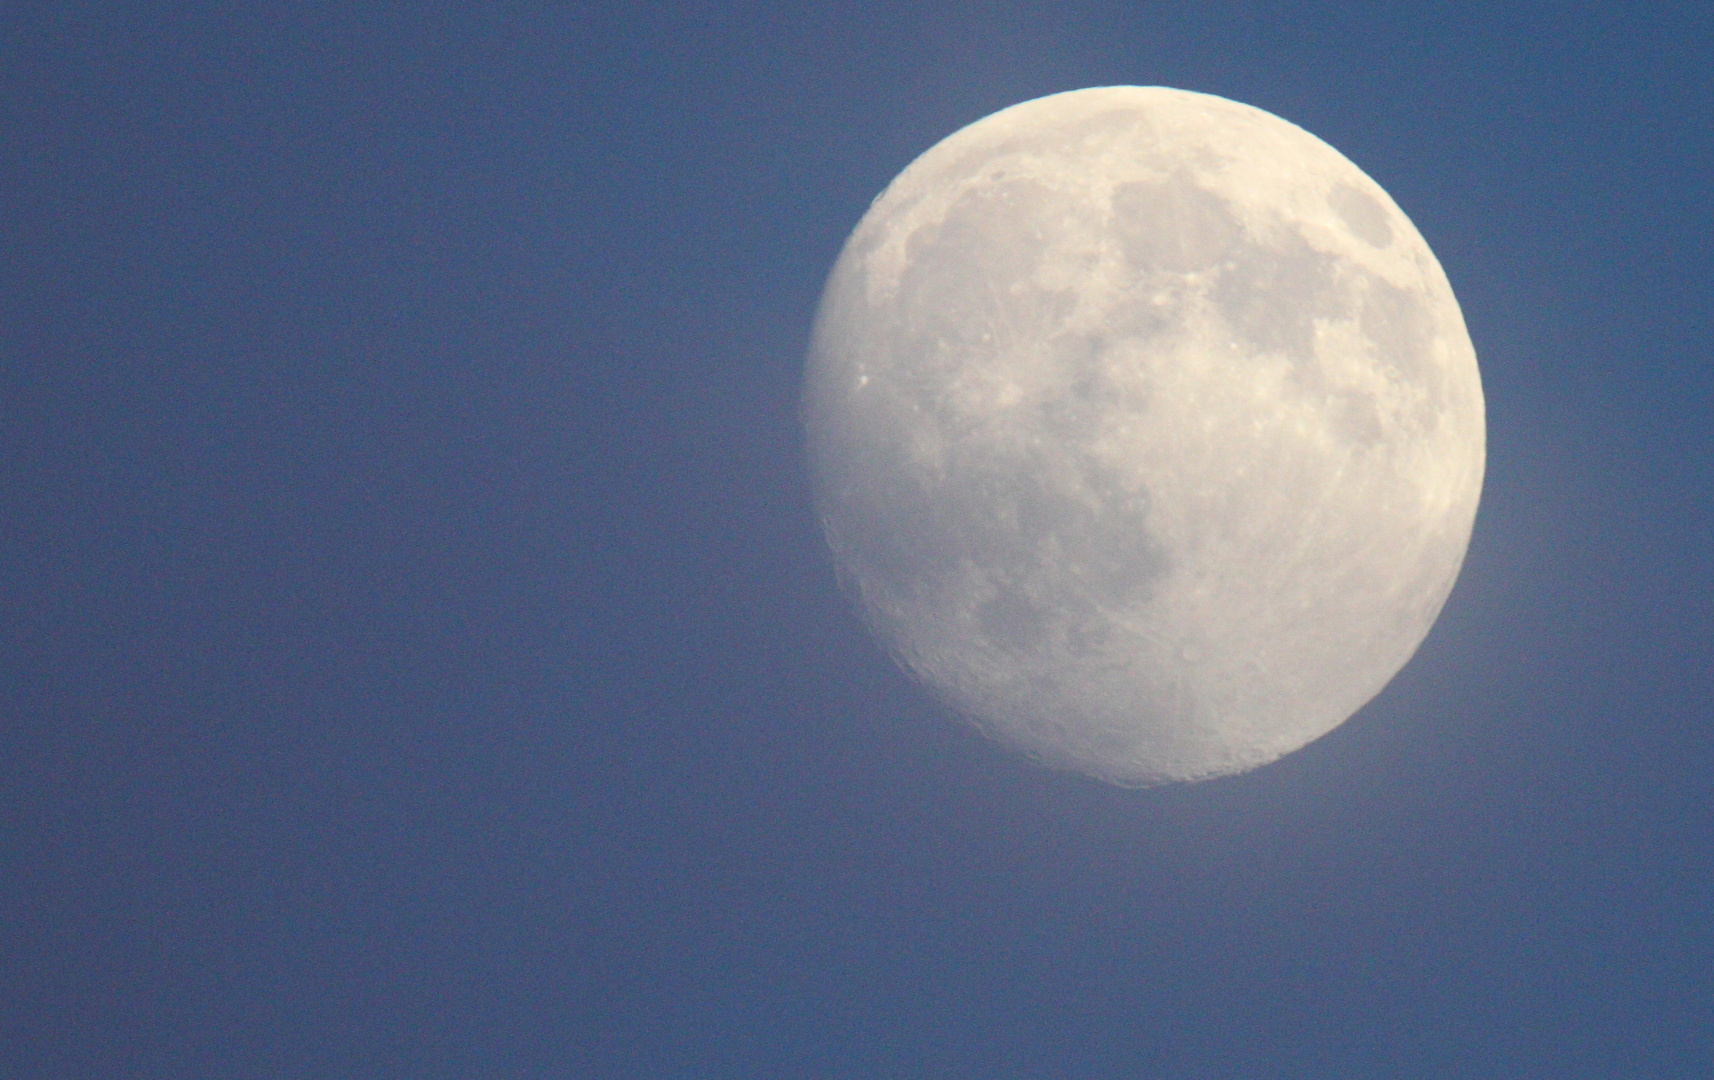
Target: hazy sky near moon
[(420, 659)]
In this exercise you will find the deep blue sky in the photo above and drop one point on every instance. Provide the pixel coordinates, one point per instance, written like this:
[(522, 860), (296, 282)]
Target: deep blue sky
[(417, 658)]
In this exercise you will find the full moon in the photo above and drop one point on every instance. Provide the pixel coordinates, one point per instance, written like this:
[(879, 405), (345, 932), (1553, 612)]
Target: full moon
[(1145, 430)]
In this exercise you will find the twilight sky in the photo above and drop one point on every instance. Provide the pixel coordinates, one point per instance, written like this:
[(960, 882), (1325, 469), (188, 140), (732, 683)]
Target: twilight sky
[(418, 658)]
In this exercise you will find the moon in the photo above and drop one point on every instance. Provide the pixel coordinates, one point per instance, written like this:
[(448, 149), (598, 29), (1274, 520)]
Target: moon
[(1145, 430)]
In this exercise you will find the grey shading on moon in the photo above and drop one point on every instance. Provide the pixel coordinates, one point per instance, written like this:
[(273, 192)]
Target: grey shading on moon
[(1145, 431)]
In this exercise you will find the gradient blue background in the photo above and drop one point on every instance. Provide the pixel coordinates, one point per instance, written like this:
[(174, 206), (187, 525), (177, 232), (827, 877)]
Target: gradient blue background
[(418, 659)]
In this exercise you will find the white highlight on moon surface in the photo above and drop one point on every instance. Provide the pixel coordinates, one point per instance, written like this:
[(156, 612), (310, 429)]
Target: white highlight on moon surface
[(1145, 430)]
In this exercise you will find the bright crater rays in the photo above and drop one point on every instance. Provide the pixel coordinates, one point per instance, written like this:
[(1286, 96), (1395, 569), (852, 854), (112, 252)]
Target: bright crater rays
[(1145, 430)]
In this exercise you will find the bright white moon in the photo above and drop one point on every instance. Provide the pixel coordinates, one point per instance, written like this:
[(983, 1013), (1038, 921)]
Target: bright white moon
[(1145, 430)]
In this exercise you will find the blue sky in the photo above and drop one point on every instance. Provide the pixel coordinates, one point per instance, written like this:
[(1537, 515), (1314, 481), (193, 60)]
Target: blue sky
[(418, 659)]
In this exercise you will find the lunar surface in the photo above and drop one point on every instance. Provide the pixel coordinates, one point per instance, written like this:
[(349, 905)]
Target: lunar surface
[(1145, 430)]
